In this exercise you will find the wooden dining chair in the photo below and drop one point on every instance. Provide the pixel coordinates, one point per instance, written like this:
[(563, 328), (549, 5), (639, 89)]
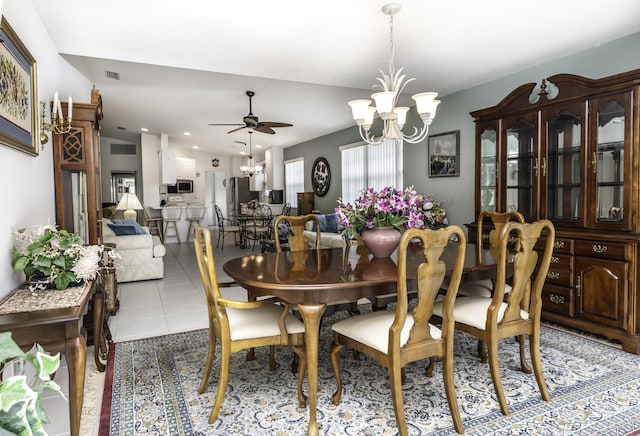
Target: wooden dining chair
[(294, 228), (397, 337), (240, 325), (484, 288), (491, 319)]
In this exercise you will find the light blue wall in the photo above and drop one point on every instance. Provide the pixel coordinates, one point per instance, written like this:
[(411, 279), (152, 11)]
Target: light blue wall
[(453, 114)]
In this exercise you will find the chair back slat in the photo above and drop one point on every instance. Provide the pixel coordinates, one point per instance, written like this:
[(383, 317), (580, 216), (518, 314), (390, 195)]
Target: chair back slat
[(296, 239), (527, 265), (430, 276)]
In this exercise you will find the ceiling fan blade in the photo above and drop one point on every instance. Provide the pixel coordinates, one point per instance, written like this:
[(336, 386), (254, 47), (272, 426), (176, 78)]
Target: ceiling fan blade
[(239, 128), (274, 124), (218, 124), (264, 129)]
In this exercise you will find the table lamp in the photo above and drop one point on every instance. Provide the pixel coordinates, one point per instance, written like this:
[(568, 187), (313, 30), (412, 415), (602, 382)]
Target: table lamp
[(129, 203)]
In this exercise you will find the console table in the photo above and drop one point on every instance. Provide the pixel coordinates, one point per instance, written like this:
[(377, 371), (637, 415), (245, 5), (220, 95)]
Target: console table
[(53, 319)]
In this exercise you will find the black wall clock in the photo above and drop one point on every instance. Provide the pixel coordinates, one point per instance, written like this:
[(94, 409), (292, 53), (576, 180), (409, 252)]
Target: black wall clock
[(215, 162), (320, 176)]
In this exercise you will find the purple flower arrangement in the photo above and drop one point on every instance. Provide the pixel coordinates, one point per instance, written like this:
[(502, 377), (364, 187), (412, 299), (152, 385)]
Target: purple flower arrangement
[(390, 207)]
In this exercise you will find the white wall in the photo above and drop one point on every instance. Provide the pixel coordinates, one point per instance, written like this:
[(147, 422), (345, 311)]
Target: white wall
[(28, 190)]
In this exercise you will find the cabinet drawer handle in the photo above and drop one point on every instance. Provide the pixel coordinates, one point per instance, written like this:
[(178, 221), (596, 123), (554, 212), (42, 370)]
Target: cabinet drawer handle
[(594, 162), (599, 248), (558, 244), (555, 259), (556, 299), (553, 275), (578, 287), (485, 236)]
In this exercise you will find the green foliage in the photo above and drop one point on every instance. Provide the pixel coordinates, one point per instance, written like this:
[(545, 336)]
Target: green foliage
[(20, 410)]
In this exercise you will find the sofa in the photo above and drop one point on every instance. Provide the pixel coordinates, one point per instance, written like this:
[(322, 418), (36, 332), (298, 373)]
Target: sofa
[(139, 254), (329, 234)]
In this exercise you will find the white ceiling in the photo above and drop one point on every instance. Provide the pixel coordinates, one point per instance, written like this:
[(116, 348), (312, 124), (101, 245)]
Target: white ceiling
[(185, 64)]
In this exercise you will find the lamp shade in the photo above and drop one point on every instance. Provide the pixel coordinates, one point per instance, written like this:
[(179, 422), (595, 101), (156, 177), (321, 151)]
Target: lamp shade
[(129, 203)]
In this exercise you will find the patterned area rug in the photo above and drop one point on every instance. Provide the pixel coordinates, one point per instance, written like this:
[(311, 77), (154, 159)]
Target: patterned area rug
[(595, 390)]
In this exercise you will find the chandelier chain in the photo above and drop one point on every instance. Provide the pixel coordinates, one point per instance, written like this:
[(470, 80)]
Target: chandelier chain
[(391, 65)]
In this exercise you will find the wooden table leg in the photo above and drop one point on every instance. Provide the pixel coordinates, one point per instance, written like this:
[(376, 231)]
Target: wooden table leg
[(311, 315), (76, 354), (100, 347)]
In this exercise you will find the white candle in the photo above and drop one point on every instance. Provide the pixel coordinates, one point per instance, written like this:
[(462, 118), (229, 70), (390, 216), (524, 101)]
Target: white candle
[(69, 108), (54, 109), (59, 110)]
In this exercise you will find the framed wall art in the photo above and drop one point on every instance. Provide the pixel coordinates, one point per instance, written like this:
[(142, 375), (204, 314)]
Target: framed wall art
[(444, 154), (18, 99), (320, 176)]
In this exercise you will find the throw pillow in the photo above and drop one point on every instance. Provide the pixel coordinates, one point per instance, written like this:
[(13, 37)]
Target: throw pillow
[(332, 223), (122, 229), (137, 227), (323, 223)]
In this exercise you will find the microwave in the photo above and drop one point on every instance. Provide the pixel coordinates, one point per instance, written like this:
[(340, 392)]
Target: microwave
[(182, 186)]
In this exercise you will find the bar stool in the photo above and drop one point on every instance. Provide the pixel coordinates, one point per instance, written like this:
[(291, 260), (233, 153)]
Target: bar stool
[(195, 213), (154, 222), (171, 215)]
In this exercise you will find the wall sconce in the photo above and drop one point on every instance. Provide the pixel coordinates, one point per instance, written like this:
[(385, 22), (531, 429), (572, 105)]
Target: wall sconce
[(58, 123)]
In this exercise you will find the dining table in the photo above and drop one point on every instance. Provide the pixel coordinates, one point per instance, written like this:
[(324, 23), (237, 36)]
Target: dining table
[(312, 279)]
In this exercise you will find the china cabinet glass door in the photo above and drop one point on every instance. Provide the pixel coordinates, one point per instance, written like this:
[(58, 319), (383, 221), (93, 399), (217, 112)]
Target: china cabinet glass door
[(522, 165), (562, 164), (488, 170), (608, 163)]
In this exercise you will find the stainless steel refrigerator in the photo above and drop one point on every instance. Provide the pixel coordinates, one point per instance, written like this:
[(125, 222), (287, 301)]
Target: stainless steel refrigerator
[(238, 193)]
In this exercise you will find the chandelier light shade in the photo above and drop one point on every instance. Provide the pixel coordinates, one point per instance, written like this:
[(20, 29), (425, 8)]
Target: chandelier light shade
[(129, 203), (251, 168), (394, 118)]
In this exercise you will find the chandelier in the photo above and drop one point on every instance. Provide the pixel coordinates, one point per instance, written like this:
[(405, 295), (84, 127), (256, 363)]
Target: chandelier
[(393, 117), (251, 168)]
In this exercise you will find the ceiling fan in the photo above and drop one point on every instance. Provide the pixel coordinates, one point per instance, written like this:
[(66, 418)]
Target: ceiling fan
[(251, 122)]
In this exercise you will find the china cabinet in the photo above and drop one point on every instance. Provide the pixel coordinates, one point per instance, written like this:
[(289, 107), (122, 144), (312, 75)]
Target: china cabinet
[(567, 149), (76, 163)]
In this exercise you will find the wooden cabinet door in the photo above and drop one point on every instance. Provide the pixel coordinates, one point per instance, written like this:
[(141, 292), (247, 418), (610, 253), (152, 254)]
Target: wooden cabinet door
[(488, 196), (564, 130), (520, 176), (601, 291), (610, 173)]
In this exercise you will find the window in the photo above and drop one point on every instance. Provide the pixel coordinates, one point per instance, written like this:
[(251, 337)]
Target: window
[(370, 166), (293, 180)]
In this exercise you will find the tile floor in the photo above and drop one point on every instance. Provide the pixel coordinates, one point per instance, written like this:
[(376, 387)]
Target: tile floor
[(149, 308)]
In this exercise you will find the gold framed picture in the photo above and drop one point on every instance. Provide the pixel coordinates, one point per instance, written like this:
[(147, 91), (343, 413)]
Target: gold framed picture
[(18, 99)]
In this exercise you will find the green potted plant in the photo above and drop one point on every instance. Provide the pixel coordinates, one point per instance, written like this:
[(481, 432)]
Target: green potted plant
[(56, 258), (20, 410)]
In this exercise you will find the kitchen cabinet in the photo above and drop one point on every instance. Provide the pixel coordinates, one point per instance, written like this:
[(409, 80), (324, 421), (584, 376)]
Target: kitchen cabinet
[(168, 166), (567, 150), (185, 168)]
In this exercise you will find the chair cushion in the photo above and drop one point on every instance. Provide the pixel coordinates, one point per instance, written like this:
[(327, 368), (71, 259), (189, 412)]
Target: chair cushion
[(372, 329), (472, 311), (260, 322), (480, 288)]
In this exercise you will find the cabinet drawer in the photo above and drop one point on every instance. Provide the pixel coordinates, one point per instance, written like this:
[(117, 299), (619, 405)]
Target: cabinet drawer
[(558, 299), (560, 245), (609, 250), (560, 270)]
